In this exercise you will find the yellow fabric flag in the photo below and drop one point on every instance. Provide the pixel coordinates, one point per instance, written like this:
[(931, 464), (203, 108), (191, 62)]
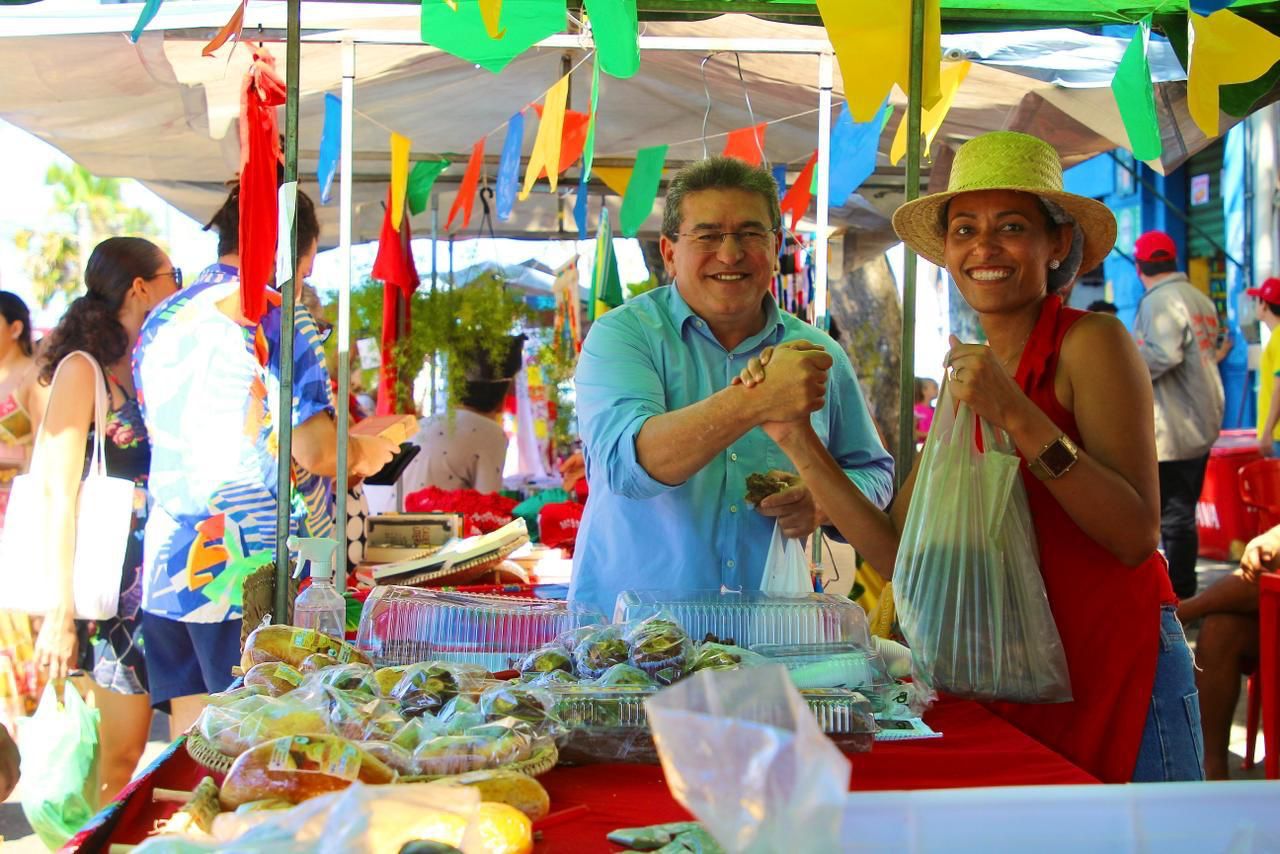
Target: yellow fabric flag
[(931, 119), (399, 176), (546, 148), (616, 178), (872, 40), (1225, 48), (491, 11)]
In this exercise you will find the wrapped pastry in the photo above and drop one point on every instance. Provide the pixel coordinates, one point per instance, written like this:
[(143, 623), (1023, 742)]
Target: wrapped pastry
[(718, 656), (292, 714), (274, 677), (317, 661), (659, 645), (353, 678), (506, 787), (546, 660), (393, 755), (517, 700), (425, 688), (298, 767), (293, 646), (220, 725), (358, 717), (625, 676), (598, 651), (385, 679)]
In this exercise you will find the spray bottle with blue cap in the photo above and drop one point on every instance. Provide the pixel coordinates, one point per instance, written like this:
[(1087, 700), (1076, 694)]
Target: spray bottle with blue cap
[(320, 606)]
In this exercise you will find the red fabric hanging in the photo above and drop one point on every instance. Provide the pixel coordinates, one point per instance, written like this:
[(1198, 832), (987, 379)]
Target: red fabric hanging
[(394, 267), (263, 91), (573, 137), (466, 195), (797, 198)]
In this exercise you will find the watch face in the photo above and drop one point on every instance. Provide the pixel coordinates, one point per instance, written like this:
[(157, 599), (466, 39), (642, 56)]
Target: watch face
[(1058, 457)]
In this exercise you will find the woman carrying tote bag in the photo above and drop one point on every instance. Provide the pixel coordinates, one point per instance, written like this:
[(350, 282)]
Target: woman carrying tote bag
[(125, 278)]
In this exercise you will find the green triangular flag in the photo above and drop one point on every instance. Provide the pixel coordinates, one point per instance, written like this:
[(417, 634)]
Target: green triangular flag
[(1135, 96), (421, 180), (642, 189), (606, 287), (615, 28), (589, 147)]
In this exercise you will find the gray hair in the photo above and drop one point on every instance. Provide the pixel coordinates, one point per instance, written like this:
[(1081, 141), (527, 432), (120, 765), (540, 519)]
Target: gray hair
[(719, 173)]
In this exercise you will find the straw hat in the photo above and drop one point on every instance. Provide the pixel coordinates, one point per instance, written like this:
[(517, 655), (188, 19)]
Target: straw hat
[(1004, 160)]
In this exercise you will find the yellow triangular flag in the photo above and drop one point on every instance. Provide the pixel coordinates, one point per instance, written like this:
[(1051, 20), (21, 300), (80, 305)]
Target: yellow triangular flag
[(491, 11), (616, 178), (399, 176), (546, 148), (952, 74), (872, 40), (1225, 48)]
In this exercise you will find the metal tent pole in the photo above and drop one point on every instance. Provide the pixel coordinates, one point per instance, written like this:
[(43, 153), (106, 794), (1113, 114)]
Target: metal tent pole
[(825, 81), (907, 374), (344, 300), (284, 470)]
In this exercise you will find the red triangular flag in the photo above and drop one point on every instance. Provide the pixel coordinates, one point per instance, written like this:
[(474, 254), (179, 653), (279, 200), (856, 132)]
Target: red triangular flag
[(573, 137), (797, 198), (260, 94), (746, 144), (466, 195), (394, 262), (230, 29)]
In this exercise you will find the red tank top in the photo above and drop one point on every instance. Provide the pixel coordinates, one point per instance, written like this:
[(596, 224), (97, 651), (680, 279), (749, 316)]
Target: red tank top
[(1107, 613)]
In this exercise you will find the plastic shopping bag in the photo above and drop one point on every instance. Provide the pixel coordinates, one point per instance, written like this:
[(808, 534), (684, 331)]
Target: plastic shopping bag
[(59, 747), (742, 751), (786, 569), (967, 585)]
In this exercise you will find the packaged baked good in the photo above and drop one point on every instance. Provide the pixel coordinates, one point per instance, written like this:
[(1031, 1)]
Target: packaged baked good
[(274, 677), (545, 660), (659, 645), (598, 651), (293, 646), (624, 676), (394, 756), (517, 700), (297, 767)]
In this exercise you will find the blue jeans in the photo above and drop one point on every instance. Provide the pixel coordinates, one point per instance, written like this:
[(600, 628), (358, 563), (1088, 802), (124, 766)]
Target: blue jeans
[(1172, 742)]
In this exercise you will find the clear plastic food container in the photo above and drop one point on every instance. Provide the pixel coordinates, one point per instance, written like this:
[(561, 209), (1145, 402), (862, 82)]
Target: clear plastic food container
[(752, 617), (404, 625)]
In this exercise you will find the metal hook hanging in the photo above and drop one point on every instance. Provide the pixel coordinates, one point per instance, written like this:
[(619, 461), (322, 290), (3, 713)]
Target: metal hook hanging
[(746, 96), (702, 69)]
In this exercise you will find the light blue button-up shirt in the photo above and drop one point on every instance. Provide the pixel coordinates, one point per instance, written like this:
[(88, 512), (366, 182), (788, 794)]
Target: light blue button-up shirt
[(651, 356)]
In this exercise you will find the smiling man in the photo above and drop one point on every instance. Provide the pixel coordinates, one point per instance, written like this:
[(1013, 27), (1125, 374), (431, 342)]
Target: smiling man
[(669, 440)]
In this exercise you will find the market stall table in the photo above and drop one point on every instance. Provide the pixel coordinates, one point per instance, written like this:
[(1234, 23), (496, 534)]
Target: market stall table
[(977, 749)]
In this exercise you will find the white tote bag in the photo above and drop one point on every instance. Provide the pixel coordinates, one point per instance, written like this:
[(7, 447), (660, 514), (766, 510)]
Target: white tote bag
[(104, 512)]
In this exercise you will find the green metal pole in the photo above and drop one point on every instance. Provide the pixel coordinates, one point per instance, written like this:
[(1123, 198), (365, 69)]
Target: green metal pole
[(284, 492), (907, 375)]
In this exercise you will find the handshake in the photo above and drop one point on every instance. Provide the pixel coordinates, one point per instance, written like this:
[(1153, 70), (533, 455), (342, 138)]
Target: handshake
[(787, 382)]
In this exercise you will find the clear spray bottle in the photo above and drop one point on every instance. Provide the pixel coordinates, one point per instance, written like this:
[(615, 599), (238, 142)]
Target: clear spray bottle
[(320, 606)]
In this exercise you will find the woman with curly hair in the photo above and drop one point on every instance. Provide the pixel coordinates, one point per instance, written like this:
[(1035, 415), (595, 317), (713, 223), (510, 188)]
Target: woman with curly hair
[(125, 278)]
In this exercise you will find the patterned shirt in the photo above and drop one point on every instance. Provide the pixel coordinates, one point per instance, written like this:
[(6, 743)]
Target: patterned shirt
[(209, 393)]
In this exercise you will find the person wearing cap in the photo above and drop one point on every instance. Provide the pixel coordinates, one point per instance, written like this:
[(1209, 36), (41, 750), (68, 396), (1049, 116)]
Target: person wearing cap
[(1071, 391), (668, 441), (1177, 332), (1268, 297)]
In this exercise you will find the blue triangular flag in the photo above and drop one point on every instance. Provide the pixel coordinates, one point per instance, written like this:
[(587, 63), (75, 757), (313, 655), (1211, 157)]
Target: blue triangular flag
[(144, 17), (1208, 7), (509, 167), (330, 145), (853, 152), (580, 207), (780, 178)]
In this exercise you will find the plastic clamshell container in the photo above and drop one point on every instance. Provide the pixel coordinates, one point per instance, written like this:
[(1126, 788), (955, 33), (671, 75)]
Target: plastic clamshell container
[(752, 617), (404, 625)]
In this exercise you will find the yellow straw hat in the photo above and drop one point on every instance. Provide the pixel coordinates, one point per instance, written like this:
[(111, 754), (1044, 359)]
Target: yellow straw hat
[(1005, 160)]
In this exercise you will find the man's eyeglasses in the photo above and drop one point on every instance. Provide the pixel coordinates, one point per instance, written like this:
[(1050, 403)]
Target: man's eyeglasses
[(175, 272), (752, 239)]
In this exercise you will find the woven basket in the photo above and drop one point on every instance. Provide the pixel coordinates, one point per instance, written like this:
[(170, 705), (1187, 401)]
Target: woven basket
[(542, 760), (206, 754), (458, 573)]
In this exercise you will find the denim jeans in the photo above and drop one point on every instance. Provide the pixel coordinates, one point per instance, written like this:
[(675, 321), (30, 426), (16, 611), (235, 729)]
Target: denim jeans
[(1172, 741)]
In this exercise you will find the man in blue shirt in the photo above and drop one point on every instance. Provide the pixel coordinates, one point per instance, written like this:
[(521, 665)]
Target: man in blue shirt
[(670, 440)]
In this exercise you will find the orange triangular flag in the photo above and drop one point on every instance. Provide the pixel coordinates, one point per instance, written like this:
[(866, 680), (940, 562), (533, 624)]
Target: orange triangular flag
[(746, 144), (797, 198), (546, 148), (616, 178), (466, 195), (573, 138), (231, 28)]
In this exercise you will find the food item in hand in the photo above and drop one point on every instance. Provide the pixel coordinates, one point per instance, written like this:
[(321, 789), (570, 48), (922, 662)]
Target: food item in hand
[(295, 768), (393, 755), (625, 676), (761, 486), (318, 661), (660, 645), (293, 645), (275, 677), (506, 787), (546, 660), (598, 652)]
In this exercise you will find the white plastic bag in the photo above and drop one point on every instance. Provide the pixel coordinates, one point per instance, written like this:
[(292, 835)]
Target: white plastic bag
[(742, 751), (967, 585), (786, 569)]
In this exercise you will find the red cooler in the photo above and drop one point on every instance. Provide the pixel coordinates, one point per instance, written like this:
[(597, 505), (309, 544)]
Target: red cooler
[(1224, 522)]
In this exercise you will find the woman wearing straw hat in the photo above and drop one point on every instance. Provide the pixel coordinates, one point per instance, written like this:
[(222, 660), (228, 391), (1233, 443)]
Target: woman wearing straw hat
[(1071, 390)]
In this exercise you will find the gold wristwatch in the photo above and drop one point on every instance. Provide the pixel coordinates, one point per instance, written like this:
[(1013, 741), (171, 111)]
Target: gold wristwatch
[(1055, 459)]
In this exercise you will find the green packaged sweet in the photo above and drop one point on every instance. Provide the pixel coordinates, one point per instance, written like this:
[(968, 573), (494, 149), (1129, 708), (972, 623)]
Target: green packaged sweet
[(599, 651)]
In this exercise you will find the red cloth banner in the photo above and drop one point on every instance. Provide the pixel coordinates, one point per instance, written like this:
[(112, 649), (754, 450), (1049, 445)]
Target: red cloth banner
[(746, 144), (263, 91), (466, 196)]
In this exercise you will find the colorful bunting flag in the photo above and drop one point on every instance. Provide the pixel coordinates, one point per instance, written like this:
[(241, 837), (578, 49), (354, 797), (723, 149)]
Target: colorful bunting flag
[(616, 178), (546, 146), (509, 167), (399, 176), (780, 178), (394, 264), (1225, 48), (606, 286), (1208, 7), (1135, 96), (230, 29), (421, 179), (872, 40), (642, 189), (589, 147), (462, 28), (953, 73), (466, 195), (580, 207), (746, 144), (853, 152), (330, 145), (615, 28), (573, 137), (259, 156), (796, 202), (146, 16)]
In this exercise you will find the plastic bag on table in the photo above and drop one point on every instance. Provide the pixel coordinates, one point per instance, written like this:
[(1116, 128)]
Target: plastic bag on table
[(358, 678), (520, 701), (742, 751), (425, 688), (786, 568), (357, 717), (660, 647), (548, 659), (60, 750), (718, 656), (599, 650), (967, 585)]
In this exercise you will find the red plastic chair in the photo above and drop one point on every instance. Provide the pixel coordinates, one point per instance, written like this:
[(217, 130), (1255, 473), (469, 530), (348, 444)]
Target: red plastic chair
[(1269, 668), (1260, 489)]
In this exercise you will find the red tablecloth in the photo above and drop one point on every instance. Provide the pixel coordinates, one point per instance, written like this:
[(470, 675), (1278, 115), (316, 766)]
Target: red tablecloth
[(977, 749)]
